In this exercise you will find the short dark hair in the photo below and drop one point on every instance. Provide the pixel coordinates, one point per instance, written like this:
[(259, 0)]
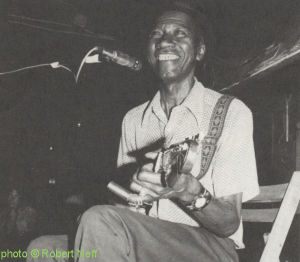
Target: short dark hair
[(196, 11)]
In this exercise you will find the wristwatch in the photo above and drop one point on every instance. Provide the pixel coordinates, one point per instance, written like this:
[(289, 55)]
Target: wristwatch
[(201, 200)]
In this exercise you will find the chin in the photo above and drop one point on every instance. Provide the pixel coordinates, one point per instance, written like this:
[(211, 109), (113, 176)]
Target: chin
[(171, 78), (168, 79), (168, 76)]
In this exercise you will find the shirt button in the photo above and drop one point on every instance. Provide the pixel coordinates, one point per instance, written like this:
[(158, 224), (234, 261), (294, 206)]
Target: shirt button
[(51, 148), (78, 124)]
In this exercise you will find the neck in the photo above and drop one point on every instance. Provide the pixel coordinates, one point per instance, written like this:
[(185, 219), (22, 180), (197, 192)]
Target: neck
[(173, 94)]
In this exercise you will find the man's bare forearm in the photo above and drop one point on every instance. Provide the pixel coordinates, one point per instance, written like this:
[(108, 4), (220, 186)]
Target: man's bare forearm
[(221, 216)]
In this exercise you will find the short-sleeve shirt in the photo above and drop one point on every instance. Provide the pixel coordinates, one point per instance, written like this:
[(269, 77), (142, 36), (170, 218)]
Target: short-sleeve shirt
[(233, 167)]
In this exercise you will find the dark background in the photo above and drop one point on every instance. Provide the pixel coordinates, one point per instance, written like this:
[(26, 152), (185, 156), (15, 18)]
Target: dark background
[(54, 129)]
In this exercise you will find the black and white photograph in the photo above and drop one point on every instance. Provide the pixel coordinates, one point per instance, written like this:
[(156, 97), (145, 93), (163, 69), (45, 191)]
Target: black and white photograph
[(150, 130)]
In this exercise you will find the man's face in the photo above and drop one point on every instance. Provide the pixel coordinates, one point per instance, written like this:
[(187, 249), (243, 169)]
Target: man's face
[(172, 47)]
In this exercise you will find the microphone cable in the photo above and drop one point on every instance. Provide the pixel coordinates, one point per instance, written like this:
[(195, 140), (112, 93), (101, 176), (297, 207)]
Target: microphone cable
[(88, 59), (54, 65)]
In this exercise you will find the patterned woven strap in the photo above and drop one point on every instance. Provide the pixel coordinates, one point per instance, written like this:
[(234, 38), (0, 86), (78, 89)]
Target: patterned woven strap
[(216, 124)]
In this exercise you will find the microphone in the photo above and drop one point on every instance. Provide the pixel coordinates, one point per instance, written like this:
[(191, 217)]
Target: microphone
[(120, 58)]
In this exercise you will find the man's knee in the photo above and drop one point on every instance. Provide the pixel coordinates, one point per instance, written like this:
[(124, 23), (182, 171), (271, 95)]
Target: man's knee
[(98, 214)]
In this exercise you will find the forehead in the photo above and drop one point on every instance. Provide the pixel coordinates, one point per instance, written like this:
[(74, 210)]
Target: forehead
[(175, 18)]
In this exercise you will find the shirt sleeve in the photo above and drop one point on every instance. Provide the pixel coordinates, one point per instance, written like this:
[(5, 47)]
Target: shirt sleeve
[(234, 167), (125, 146)]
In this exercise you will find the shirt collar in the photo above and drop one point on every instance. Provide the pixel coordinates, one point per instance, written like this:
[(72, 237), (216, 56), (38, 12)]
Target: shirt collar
[(193, 102)]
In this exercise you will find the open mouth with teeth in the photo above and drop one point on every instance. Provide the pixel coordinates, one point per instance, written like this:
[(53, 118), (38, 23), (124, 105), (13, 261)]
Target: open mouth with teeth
[(167, 57)]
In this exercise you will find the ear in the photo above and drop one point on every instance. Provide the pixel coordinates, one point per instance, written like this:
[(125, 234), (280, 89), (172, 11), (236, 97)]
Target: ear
[(201, 50)]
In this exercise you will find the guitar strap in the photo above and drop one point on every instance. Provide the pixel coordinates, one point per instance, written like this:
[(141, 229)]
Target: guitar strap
[(216, 124)]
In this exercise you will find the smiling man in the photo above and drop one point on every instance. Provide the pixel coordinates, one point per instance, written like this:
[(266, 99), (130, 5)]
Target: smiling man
[(198, 217)]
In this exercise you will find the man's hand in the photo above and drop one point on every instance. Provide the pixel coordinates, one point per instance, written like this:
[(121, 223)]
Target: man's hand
[(185, 187)]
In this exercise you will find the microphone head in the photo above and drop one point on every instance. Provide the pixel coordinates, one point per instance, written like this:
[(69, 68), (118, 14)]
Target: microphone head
[(120, 58)]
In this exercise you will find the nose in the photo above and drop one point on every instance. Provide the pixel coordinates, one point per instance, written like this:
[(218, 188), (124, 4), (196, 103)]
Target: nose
[(165, 41)]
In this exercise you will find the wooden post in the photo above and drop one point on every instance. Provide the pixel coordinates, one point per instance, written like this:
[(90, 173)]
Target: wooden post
[(298, 146), (283, 221)]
